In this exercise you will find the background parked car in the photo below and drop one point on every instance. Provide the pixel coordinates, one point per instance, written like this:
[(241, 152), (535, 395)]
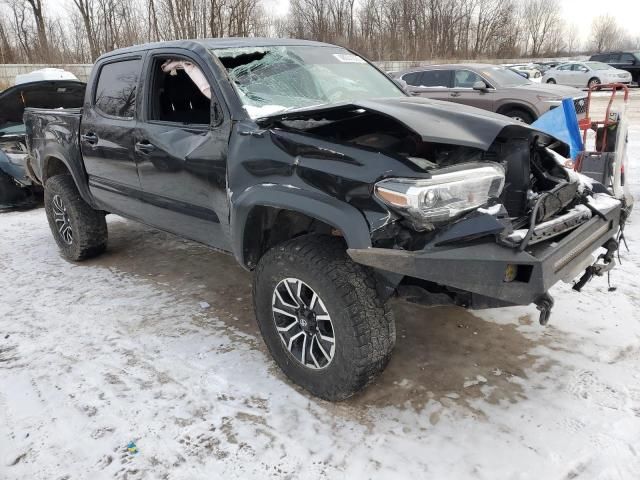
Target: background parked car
[(520, 72), (17, 188), (490, 87), (585, 74), (628, 61), (529, 69), (544, 66)]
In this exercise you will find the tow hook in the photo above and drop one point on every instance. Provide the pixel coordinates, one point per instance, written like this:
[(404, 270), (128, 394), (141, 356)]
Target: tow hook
[(544, 303), (599, 269)]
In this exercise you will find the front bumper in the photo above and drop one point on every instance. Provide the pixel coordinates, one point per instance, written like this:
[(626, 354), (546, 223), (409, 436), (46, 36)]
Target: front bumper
[(480, 268)]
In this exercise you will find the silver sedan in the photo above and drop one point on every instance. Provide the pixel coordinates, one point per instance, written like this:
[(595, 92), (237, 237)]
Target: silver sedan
[(585, 74)]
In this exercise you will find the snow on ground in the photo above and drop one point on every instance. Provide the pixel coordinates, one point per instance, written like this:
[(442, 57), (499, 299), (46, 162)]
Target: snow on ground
[(155, 343)]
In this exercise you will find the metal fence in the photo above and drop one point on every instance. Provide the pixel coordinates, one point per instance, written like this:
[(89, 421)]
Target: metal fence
[(9, 71)]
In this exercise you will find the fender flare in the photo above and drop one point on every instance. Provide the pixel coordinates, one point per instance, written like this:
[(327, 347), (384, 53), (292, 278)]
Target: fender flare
[(76, 169), (340, 215)]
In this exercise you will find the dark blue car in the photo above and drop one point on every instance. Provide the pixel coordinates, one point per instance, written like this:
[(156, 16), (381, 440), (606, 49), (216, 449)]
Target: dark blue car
[(17, 188)]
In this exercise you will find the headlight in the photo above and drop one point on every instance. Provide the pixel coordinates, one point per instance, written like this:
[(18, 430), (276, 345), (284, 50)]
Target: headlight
[(445, 195)]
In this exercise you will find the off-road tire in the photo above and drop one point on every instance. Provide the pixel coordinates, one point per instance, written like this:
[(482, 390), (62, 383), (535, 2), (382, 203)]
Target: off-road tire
[(519, 115), (363, 324), (89, 227)]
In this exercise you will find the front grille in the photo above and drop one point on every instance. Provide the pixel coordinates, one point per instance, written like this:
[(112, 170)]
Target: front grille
[(580, 105)]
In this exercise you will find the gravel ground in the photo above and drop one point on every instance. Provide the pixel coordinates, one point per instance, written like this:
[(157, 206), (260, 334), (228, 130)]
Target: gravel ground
[(155, 343)]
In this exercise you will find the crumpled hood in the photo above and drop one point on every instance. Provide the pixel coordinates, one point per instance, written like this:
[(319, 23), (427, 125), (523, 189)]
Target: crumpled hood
[(44, 94), (432, 120)]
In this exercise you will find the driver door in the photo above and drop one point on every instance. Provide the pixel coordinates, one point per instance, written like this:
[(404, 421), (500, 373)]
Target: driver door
[(181, 144)]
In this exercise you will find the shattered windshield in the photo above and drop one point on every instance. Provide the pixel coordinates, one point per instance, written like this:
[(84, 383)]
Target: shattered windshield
[(273, 79)]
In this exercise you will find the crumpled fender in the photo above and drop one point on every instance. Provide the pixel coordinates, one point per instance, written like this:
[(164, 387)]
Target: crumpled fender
[(329, 210)]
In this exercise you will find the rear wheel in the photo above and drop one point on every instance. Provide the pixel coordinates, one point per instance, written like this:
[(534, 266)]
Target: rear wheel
[(551, 80), (79, 230), (321, 317)]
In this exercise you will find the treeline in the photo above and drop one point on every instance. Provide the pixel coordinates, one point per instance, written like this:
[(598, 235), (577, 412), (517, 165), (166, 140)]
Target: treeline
[(78, 31)]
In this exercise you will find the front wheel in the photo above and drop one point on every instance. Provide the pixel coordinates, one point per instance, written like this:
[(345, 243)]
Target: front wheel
[(551, 81), (321, 317), (594, 82), (519, 115), (79, 230)]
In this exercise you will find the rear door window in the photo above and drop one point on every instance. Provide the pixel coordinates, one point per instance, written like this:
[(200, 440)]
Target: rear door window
[(436, 78), (627, 58), (115, 93)]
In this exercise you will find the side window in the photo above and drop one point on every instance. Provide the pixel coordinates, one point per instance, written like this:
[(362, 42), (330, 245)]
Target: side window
[(179, 92), (412, 79), (564, 67), (603, 57), (116, 89), (466, 79), (436, 78), (578, 67), (627, 59), (612, 58)]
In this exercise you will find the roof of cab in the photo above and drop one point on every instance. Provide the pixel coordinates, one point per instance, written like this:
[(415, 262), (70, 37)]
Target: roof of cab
[(211, 43)]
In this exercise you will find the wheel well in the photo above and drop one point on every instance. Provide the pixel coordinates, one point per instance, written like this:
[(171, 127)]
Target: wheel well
[(516, 106), (592, 78), (267, 227), (54, 166)]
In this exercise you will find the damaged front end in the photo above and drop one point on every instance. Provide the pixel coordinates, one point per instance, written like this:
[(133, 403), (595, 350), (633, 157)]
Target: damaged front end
[(498, 231), (489, 215)]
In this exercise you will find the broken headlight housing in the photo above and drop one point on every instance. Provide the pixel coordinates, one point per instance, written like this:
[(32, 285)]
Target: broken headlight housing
[(446, 195)]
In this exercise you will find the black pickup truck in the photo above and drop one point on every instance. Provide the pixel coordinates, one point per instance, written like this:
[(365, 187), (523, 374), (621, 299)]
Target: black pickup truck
[(317, 171), (629, 61)]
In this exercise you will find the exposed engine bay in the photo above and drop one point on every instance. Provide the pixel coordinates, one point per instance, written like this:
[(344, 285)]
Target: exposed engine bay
[(541, 198)]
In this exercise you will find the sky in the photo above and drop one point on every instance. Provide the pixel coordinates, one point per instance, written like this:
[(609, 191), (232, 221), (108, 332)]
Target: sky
[(582, 13)]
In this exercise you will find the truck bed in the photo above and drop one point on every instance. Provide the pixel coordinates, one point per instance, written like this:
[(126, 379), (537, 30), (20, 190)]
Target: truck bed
[(53, 133)]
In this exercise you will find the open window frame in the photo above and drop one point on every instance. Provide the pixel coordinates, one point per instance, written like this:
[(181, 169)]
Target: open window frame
[(151, 103)]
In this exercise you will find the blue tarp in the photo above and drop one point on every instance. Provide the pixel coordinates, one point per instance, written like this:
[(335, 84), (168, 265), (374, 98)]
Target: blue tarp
[(562, 123)]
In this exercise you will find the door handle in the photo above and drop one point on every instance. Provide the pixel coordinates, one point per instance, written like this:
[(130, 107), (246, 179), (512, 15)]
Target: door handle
[(90, 138), (455, 94), (145, 147)]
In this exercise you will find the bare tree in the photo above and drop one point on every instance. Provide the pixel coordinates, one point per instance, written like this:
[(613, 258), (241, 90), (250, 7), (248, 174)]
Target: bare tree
[(38, 15), (605, 33), (572, 39), (540, 17)]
